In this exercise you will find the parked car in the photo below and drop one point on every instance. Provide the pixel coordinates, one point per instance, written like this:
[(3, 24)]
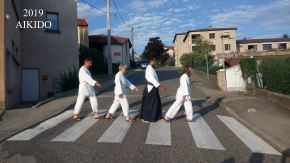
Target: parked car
[(143, 64)]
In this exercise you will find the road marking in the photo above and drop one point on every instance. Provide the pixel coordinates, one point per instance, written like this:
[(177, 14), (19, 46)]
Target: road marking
[(118, 130), (159, 133), (77, 130), (255, 143), (203, 135), (33, 132)]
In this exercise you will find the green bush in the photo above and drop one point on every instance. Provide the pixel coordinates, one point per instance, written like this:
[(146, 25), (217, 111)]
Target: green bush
[(186, 59), (248, 67), (276, 74), (69, 80)]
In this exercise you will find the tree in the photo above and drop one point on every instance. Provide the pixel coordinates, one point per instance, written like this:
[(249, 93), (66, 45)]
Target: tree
[(155, 48), (285, 36), (99, 63)]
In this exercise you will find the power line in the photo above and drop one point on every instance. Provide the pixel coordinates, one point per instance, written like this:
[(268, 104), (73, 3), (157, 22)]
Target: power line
[(92, 6), (84, 1), (118, 11)]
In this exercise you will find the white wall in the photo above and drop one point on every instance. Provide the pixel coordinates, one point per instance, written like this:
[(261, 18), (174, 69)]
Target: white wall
[(124, 51), (235, 81)]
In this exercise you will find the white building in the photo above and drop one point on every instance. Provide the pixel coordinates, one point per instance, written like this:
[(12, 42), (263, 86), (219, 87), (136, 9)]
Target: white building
[(120, 47)]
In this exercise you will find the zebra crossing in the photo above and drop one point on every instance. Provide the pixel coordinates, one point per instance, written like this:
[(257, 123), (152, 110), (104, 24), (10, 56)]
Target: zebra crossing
[(159, 133)]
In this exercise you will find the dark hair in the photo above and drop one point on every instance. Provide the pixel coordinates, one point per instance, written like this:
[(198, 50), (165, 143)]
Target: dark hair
[(185, 69), (88, 60), (151, 58)]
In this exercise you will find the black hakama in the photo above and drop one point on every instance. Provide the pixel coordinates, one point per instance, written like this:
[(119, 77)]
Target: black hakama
[(151, 105)]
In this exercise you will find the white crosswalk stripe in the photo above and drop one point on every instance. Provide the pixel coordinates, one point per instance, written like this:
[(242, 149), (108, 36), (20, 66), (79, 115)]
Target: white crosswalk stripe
[(251, 140), (203, 136), (118, 130), (33, 132), (159, 133), (77, 130)]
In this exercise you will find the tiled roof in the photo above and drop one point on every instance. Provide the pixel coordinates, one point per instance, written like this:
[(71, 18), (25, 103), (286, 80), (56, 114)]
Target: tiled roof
[(102, 39), (184, 33), (82, 22), (245, 41), (169, 47), (232, 61)]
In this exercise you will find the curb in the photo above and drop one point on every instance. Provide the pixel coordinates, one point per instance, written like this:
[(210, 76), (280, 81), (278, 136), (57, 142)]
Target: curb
[(274, 142), (62, 109)]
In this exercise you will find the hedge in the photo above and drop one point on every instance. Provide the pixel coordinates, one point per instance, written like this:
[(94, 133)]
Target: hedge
[(276, 74)]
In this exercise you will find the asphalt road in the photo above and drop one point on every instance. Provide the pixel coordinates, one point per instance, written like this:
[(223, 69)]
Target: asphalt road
[(214, 137)]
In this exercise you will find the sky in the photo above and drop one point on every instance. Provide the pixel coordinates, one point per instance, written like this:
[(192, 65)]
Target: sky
[(165, 18)]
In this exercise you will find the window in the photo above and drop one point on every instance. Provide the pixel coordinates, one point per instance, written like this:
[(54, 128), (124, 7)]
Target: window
[(267, 46), (195, 38), (227, 47), (213, 47), (54, 19), (252, 47), (212, 36), (282, 46)]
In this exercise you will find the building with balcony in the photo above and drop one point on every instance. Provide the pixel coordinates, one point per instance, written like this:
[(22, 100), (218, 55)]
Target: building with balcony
[(223, 40), (263, 47)]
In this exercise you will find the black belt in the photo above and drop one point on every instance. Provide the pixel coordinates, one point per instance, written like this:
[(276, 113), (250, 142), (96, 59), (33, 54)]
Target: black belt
[(148, 83)]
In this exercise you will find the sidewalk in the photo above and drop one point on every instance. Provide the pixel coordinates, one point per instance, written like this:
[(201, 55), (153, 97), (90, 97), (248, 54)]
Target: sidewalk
[(265, 117), (19, 119)]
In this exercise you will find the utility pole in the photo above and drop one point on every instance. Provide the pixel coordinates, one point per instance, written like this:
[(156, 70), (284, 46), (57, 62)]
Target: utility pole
[(133, 52), (109, 59), (223, 48)]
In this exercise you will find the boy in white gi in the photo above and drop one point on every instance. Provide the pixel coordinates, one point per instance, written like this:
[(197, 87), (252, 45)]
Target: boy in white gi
[(121, 84), (183, 97), (86, 89)]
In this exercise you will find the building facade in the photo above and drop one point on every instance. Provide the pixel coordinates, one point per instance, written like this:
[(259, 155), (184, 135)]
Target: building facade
[(34, 58), (223, 40), (83, 33), (262, 47), (120, 53)]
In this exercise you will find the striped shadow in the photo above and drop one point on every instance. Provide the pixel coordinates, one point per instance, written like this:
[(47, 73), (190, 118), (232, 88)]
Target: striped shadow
[(203, 135), (118, 130), (33, 132), (159, 133), (77, 130), (251, 140)]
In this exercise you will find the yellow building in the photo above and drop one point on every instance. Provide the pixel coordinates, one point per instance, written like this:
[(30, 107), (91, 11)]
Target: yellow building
[(31, 59), (223, 40), (262, 47)]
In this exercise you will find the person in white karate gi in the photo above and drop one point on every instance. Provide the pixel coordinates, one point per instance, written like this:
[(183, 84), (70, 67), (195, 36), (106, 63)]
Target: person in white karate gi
[(121, 85), (86, 89), (151, 109), (183, 97)]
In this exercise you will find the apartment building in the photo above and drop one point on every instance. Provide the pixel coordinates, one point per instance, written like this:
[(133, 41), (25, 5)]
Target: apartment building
[(223, 40), (265, 46), (83, 33), (32, 59)]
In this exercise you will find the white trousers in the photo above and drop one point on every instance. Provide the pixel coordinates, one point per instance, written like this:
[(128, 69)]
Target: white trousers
[(120, 101), (80, 101), (173, 110)]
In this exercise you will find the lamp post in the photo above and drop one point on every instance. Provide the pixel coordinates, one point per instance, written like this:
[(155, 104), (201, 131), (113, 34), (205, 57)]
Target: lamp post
[(109, 39)]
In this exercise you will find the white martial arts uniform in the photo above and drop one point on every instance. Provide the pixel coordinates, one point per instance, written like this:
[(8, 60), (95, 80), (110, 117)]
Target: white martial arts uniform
[(183, 90), (151, 77), (121, 85), (86, 89)]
